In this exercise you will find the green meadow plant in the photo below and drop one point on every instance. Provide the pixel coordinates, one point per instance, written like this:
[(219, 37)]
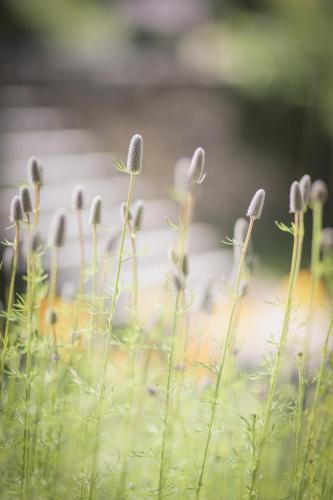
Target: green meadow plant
[(146, 408)]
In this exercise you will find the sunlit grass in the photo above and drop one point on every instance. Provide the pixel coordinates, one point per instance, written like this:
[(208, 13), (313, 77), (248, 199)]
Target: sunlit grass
[(91, 409)]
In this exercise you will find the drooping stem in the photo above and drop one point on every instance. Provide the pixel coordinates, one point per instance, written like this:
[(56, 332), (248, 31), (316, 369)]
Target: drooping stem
[(297, 242), (235, 300), (10, 299)]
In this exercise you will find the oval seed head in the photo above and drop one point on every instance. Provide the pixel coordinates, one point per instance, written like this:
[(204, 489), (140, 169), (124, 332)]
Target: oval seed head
[(123, 212), (34, 171), (35, 242), (305, 184), (318, 192), (112, 242), (196, 174), (296, 198), (327, 239), (178, 282), (256, 205), (51, 317), (135, 155), (185, 268), (95, 216), (26, 200), (137, 214), (181, 173), (240, 231), (16, 210), (77, 202), (173, 256), (58, 229)]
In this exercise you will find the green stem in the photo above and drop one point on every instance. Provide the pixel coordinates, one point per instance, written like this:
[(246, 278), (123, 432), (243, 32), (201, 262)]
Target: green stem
[(109, 333), (94, 288), (314, 408), (168, 392), (317, 215), (37, 206), (235, 300), (298, 422), (276, 368), (117, 277), (10, 300), (82, 268)]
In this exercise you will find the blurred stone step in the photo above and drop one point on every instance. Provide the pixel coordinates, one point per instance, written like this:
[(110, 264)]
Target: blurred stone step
[(22, 145), (28, 119)]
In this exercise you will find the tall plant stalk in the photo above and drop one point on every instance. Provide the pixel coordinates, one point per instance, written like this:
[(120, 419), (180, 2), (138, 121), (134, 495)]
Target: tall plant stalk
[(117, 276), (185, 222), (297, 243), (10, 299), (298, 421), (310, 436), (317, 215), (234, 304), (94, 288)]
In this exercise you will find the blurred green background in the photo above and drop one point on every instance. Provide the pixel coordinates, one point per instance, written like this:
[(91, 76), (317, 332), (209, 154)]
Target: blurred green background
[(250, 81)]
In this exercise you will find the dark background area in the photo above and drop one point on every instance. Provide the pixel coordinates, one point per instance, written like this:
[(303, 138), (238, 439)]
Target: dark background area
[(251, 82)]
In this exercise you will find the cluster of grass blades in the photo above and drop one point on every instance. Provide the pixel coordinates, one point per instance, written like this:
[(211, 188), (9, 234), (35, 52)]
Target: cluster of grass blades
[(125, 412)]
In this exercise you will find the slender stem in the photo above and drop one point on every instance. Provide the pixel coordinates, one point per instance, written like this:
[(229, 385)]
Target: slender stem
[(53, 277), (235, 300), (186, 214), (168, 391), (276, 368), (317, 215), (117, 277), (94, 288), (314, 408), (37, 206), (30, 306), (134, 275), (10, 299), (108, 335), (298, 421), (82, 268)]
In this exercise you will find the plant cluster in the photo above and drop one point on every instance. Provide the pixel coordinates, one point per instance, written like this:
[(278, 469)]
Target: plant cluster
[(123, 411)]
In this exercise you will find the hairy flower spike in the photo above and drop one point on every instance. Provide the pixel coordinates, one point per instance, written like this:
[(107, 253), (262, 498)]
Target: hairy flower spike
[(16, 210), (296, 198), (327, 239), (135, 155), (58, 229), (319, 192), (305, 184), (35, 242), (185, 266), (123, 211), (95, 216), (26, 200), (34, 171), (51, 317), (196, 174), (256, 205), (112, 242), (137, 214), (77, 201)]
